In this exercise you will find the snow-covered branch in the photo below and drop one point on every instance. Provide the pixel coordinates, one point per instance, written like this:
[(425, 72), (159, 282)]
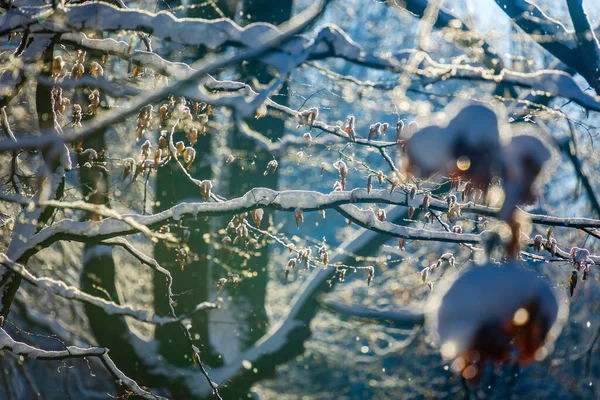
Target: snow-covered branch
[(288, 200), (398, 318), (34, 353), (541, 27), (59, 288), (587, 42), (272, 38), (368, 219), (574, 49)]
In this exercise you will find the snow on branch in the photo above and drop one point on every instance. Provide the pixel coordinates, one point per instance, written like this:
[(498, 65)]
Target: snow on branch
[(587, 42), (261, 44), (539, 25), (25, 350), (331, 41), (59, 288), (288, 200), (447, 19), (120, 49), (398, 318), (574, 50), (550, 82), (163, 25), (232, 86), (368, 219), (107, 212)]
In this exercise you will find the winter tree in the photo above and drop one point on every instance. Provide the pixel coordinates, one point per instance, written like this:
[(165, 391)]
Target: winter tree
[(276, 199)]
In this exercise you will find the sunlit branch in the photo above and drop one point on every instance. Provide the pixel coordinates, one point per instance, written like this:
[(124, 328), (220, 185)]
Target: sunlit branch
[(59, 288)]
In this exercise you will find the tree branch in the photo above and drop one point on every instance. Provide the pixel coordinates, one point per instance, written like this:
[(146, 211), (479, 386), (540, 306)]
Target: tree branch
[(25, 350), (587, 43), (402, 319), (59, 288)]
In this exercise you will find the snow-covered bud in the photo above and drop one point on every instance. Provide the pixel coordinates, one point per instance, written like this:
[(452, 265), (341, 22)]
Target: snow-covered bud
[(189, 155), (298, 216), (342, 168), (257, 216), (157, 157), (374, 130), (220, 283), (384, 128), (451, 200), (192, 136), (261, 111), (581, 257), (94, 98), (271, 167), (96, 70), (454, 213), (401, 243), (448, 258), (425, 204), (206, 189), (325, 258), (371, 275), (399, 129), (380, 177), (292, 263), (128, 164), (538, 241), (307, 138), (349, 129), (77, 116), (413, 126), (58, 67), (180, 146), (143, 121), (425, 274), (413, 192)]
